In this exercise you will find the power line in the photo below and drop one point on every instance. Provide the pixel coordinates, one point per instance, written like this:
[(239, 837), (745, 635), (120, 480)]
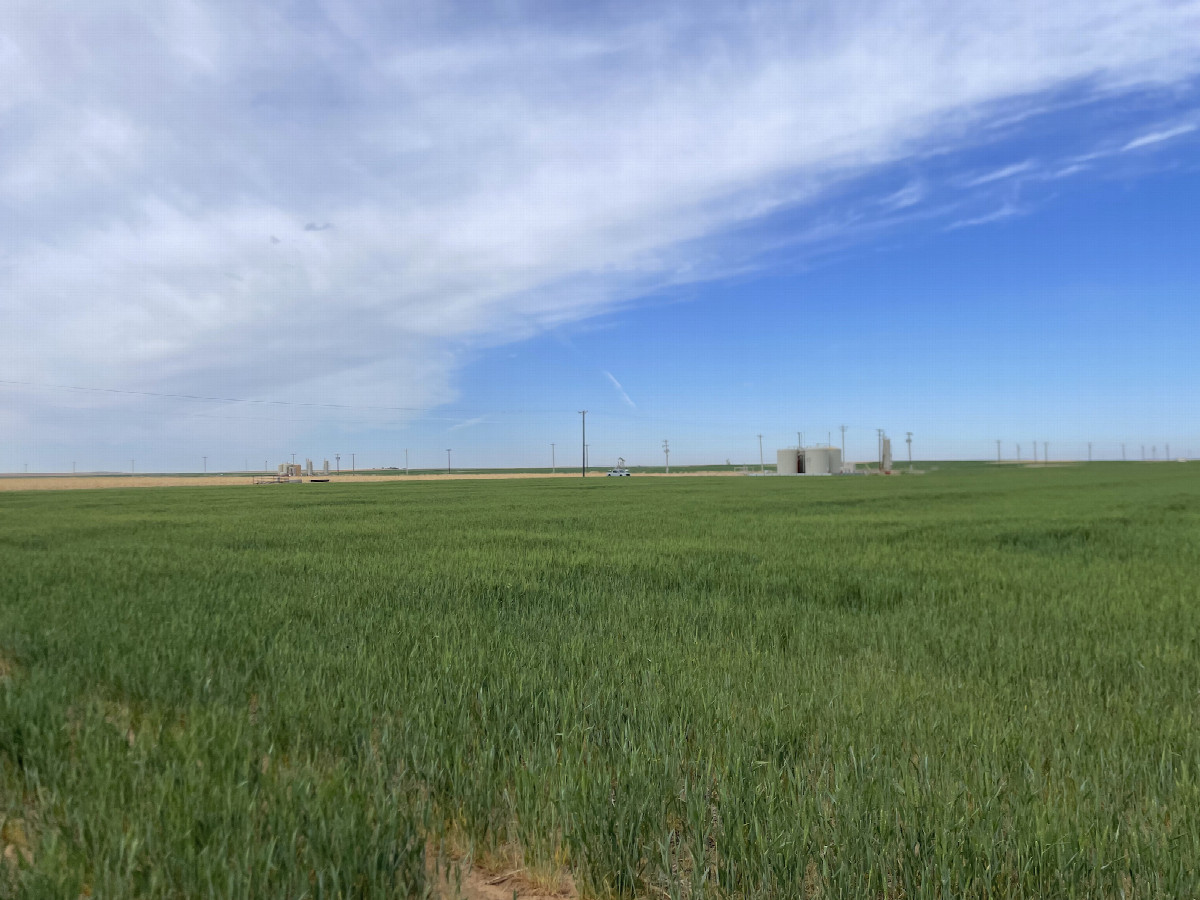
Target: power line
[(583, 443)]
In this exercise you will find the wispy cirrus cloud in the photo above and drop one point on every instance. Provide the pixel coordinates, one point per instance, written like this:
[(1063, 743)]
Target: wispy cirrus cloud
[(1000, 174), (1157, 137), (469, 423), (492, 175), (1007, 211), (909, 195), (620, 390)]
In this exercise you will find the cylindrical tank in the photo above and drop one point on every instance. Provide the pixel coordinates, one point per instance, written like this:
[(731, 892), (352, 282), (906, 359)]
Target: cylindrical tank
[(787, 461), (816, 461)]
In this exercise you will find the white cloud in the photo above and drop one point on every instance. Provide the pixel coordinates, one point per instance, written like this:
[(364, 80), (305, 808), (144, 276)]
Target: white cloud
[(171, 169), (469, 423), (1001, 174), (1068, 170), (1157, 137), (1007, 211), (620, 390), (909, 195)]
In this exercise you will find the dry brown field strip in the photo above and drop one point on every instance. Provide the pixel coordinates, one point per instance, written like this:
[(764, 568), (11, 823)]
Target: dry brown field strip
[(93, 482)]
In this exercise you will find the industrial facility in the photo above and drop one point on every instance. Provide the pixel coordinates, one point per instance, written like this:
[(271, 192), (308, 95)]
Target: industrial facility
[(294, 473), (818, 460)]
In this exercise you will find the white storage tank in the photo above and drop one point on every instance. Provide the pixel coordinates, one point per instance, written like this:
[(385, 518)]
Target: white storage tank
[(816, 461), (808, 461)]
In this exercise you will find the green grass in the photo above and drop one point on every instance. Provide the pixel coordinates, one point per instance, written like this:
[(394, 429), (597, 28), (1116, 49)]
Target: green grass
[(982, 682)]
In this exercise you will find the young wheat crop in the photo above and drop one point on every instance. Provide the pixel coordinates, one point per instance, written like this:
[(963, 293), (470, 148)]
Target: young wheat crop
[(976, 683)]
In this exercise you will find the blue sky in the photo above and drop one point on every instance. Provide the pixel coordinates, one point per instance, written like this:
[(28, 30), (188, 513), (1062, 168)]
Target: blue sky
[(367, 230)]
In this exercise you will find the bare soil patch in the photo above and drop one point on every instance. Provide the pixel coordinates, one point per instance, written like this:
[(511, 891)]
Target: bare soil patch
[(476, 884), (496, 877)]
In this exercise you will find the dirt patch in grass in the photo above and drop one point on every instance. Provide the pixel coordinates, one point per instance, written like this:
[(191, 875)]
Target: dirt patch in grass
[(499, 875), (476, 884), (14, 849)]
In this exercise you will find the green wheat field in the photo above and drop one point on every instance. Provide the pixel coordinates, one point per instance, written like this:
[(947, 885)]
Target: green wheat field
[(979, 682)]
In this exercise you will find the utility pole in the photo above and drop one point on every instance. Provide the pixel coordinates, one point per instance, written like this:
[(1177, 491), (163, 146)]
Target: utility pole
[(553, 466), (206, 465), (843, 427), (908, 440), (337, 458), (405, 460), (293, 457), (667, 454), (761, 465), (1045, 451), (353, 463), (583, 442), (997, 451), (448, 460)]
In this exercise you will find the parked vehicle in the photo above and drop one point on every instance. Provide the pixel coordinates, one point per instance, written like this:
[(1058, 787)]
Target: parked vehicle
[(619, 470)]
